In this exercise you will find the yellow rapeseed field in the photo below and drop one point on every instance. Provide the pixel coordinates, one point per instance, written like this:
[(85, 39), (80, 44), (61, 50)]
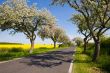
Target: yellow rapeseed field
[(24, 46)]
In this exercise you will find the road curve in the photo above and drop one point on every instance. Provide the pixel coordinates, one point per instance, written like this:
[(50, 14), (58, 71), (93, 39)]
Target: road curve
[(51, 62)]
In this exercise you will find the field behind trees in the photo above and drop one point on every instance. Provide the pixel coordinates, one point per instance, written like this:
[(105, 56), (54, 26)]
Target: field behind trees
[(15, 50), (23, 46)]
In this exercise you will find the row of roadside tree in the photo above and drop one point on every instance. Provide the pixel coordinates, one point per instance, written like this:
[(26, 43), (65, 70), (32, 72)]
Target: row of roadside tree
[(92, 20), (18, 16)]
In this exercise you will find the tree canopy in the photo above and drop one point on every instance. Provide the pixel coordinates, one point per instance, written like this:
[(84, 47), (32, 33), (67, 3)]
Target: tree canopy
[(55, 33), (18, 16), (80, 22)]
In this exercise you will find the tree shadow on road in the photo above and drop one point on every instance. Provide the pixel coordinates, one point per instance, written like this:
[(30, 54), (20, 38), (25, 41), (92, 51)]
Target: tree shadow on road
[(50, 59)]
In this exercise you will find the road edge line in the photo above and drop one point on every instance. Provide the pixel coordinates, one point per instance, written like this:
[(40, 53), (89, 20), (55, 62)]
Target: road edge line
[(70, 68), (71, 65), (10, 60)]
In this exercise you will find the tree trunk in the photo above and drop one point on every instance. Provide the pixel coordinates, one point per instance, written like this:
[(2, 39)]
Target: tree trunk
[(85, 45), (96, 50), (54, 44), (32, 46)]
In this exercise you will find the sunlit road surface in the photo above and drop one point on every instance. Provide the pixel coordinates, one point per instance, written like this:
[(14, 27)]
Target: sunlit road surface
[(51, 62)]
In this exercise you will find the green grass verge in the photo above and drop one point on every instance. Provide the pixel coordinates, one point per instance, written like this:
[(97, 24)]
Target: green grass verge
[(83, 63), (17, 53)]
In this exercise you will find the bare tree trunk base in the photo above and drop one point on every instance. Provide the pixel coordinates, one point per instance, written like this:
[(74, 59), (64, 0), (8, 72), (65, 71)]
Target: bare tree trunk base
[(96, 51), (32, 46), (54, 44), (30, 51)]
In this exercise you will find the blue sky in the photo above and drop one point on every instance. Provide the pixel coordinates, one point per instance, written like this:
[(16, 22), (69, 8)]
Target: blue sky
[(61, 13)]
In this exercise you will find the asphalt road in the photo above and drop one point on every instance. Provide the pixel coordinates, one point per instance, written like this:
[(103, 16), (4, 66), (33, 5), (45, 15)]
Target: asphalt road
[(51, 62)]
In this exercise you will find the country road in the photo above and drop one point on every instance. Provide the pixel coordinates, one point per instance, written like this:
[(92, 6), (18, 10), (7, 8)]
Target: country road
[(51, 62)]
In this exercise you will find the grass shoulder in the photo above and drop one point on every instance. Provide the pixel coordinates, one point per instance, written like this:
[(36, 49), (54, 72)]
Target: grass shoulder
[(83, 63)]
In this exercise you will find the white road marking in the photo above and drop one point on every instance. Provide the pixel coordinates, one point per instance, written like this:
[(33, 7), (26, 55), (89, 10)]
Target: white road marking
[(71, 67), (10, 60)]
